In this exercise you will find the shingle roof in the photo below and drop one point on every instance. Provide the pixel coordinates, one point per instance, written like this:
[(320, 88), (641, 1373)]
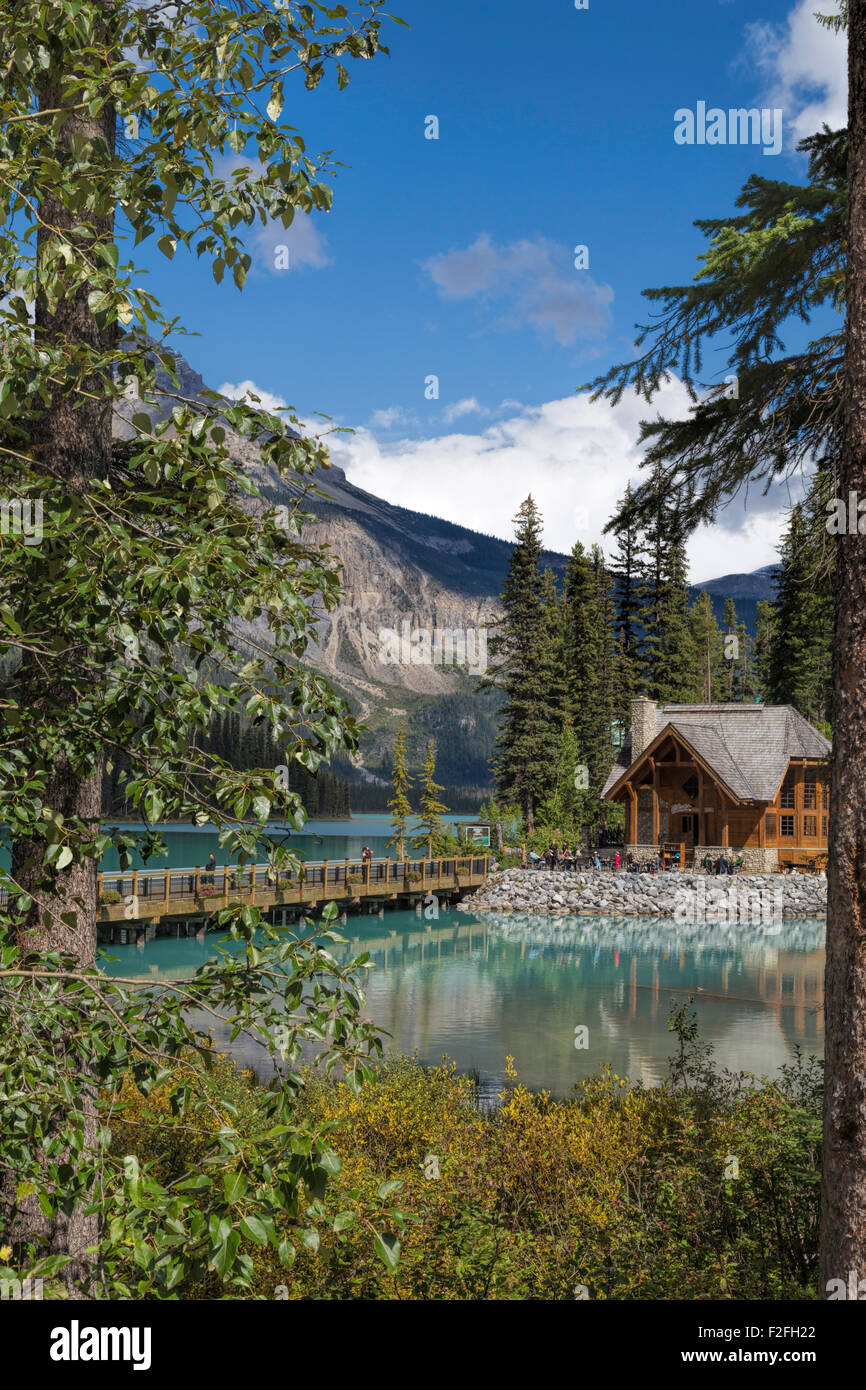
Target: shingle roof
[(748, 747)]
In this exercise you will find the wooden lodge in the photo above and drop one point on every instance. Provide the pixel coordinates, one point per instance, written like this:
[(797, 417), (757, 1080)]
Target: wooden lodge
[(743, 781)]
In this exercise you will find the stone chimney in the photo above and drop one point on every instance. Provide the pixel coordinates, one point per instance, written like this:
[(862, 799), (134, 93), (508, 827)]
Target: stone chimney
[(643, 725)]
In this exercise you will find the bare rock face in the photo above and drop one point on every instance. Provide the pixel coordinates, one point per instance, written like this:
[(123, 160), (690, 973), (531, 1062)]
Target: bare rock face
[(420, 593)]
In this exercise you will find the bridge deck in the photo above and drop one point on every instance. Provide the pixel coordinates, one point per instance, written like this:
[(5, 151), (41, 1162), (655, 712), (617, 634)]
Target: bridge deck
[(147, 895)]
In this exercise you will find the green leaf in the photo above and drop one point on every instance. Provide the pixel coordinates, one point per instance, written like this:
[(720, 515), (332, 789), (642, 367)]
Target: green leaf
[(225, 1255), (167, 246), (252, 1227), (235, 1186), (386, 1188), (387, 1247)]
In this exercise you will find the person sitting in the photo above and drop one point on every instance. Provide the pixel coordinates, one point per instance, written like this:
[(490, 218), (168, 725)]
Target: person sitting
[(535, 859), (596, 862)]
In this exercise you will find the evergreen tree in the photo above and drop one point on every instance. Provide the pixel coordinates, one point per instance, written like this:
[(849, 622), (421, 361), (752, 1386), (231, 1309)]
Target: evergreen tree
[(781, 256), (766, 634), (398, 803), (432, 809), (676, 657), (709, 681), (556, 646), (800, 667), (745, 676), (524, 667), (626, 567), (608, 678), (581, 646), (565, 808), (667, 659), (731, 649)]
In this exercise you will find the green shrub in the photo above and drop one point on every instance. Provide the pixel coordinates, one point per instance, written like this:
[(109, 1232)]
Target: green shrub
[(629, 1191)]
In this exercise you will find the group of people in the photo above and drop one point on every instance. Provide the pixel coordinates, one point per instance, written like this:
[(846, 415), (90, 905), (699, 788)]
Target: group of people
[(558, 855), (720, 865)]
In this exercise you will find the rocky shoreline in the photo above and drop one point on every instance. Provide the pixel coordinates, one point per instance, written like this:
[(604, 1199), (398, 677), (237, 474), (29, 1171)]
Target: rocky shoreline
[(685, 897)]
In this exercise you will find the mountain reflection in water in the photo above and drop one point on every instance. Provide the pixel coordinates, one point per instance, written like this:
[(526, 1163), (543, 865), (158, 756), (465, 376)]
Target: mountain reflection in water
[(480, 987)]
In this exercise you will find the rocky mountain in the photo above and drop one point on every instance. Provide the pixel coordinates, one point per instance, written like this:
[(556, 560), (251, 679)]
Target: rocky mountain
[(747, 590), (408, 642)]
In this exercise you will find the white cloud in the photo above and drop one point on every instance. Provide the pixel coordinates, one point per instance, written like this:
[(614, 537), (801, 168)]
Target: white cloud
[(804, 67), (575, 457), (306, 245), (388, 418), (468, 406), (267, 400), (532, 282)]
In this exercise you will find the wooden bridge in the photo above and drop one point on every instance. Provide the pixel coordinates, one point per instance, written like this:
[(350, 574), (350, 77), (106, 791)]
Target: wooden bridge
[(148, 899)]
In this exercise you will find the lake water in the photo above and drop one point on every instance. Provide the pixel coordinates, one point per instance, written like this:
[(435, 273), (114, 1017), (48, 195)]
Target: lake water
[(480, 987), (189, 845)]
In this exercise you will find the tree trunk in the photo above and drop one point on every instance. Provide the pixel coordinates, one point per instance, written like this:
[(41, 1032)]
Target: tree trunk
[(843, 1196), (73, 444)]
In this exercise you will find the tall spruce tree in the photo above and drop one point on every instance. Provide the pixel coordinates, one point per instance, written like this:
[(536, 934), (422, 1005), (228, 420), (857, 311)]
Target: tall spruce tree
[(581, 645), (524, 666), (626, 567), (431, 810), (731, 650), (800, 662), (707, 652), (766, 630), (667, 656), (398, 802)]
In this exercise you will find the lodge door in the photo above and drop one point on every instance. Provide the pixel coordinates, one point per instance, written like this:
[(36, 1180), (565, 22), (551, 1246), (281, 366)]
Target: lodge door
[(690, 829)]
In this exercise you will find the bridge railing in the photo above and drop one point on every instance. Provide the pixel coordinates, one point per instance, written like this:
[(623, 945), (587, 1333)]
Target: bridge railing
[(154, 885), (342, 877)]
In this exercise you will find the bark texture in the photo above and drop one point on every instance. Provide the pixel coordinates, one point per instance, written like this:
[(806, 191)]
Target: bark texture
[(72, 443), (843, 1196)]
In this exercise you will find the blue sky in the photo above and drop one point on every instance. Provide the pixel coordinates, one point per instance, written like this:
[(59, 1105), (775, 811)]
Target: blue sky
[(455, 256)]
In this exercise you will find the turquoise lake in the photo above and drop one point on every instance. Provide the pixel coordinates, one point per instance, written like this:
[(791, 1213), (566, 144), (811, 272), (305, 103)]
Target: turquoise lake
[(480, 987), (189, 845)]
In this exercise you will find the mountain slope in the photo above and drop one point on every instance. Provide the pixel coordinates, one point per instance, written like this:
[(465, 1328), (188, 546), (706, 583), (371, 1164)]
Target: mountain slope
[(407, 572)]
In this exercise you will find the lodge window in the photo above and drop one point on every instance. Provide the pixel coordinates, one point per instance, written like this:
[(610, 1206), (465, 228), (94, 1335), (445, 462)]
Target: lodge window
[(771, 827), (810, 826), (824, 826), (825, 795), (786, 800), (786, 825), (810, 797)]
